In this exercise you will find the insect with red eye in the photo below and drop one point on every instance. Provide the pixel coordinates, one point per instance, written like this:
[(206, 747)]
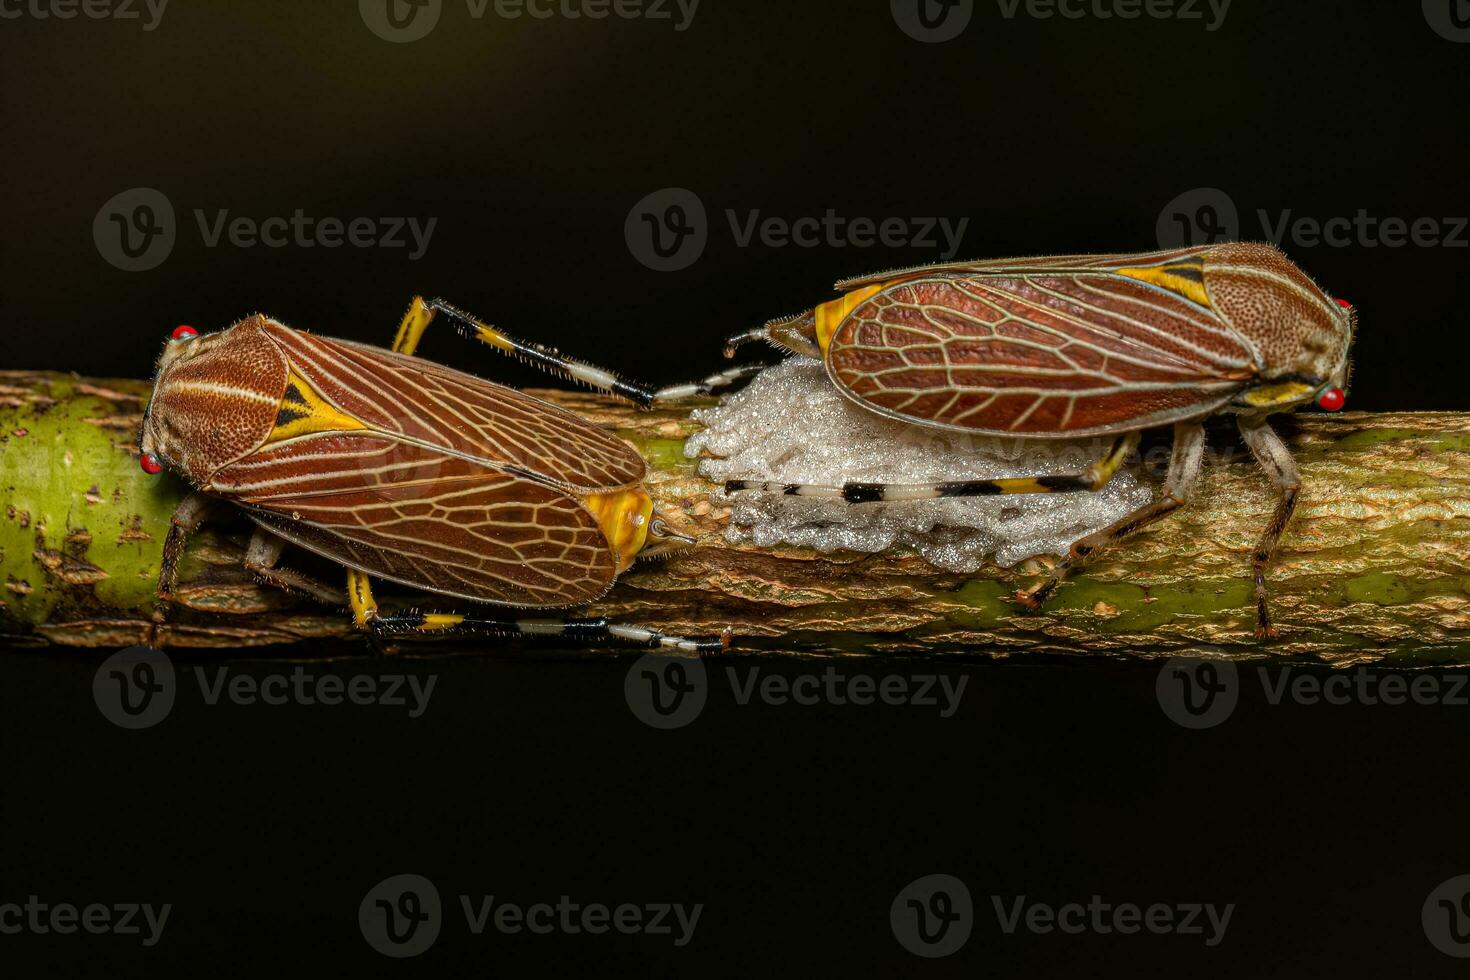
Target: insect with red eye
[(408, 471), (1062, 347)]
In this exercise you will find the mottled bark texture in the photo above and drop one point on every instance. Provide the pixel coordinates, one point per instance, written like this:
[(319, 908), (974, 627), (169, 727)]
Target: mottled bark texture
[(1375, 566)]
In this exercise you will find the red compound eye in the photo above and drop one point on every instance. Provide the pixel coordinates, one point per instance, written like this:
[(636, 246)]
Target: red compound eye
[(1344, 304), (1331, 400), (184, 332), (150, 464)]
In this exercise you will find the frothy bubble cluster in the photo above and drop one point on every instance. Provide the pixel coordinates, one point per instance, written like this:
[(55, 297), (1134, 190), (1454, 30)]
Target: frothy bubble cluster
[(792, 425)]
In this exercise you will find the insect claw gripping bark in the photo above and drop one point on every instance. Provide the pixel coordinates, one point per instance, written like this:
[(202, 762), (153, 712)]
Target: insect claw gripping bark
[(1063, 347), (405, 470)]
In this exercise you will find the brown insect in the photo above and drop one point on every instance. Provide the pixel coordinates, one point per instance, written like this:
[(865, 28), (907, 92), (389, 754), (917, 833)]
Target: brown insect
[(1081, 345), (405, 470)]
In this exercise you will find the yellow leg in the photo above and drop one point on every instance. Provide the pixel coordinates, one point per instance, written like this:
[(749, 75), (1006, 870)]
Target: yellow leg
[(360, 598), (365, 611), (365, 614), (421, 313), (1101, 472), (415, 322)]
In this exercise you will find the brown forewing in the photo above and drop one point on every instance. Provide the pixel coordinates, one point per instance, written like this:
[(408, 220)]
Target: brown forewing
[(1043, 355), (457, 485), (409, 514), (460, 413)]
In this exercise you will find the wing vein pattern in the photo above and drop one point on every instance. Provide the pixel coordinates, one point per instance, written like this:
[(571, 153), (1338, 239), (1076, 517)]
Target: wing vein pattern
[(1058, 347), (455, 484)]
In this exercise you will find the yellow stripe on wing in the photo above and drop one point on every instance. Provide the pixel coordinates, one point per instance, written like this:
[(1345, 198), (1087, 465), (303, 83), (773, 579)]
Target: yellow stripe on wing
[(1184, 277), (303, 411)]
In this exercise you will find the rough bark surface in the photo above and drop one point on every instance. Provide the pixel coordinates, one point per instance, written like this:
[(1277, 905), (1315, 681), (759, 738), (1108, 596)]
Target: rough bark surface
[(1376, 565)]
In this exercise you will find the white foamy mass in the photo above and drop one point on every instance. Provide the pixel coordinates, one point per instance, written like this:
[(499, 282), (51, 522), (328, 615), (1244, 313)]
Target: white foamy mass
[(791, 425)]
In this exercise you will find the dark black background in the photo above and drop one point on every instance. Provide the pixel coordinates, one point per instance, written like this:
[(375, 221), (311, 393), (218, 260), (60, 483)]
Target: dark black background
[(530, 141)]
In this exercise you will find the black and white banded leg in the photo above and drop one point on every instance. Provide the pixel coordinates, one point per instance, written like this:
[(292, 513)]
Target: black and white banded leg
[(1094, 478), (420, 314), (1273, 456), (597, 630), (1185, 463)]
